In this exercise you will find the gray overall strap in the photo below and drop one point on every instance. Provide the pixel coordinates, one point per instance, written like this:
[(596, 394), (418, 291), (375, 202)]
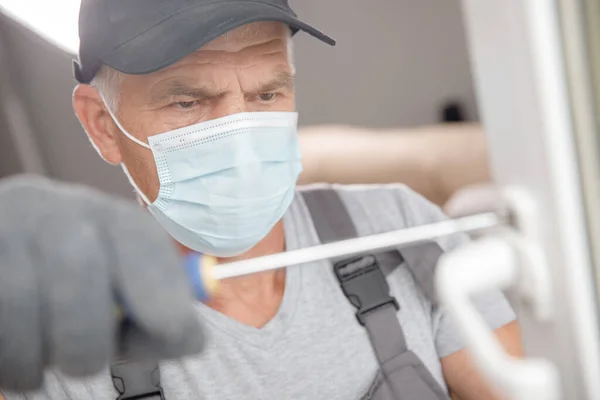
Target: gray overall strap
[(137, 380), (333, 223), (329, 215), (361, 279), (402, 374)]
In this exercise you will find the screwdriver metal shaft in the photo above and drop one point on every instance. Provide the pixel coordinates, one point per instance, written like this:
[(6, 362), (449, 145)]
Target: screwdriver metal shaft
[(204, 273), (379, 242)]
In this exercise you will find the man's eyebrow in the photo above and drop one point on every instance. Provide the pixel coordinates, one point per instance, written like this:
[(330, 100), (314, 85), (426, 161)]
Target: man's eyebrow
[(283, 80), (179, 88)]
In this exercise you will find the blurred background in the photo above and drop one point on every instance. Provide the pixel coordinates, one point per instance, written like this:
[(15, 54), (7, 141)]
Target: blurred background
[(392, 102)]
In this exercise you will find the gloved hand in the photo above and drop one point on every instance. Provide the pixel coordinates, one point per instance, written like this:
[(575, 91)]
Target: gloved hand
[(68, 256)]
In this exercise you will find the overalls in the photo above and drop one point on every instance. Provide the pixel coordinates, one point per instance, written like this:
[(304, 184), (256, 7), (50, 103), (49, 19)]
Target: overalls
[(402, 375)]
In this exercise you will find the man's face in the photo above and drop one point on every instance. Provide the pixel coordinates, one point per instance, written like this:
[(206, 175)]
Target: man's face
[(246, 70)]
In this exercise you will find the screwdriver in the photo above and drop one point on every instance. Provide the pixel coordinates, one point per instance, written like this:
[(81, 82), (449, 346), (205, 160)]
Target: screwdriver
[(204, 275)]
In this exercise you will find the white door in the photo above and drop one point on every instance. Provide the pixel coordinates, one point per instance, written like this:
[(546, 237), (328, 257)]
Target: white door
[(537, 73)]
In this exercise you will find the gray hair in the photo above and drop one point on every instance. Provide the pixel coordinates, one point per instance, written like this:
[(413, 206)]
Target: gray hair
[(108, 83), (108, 80)]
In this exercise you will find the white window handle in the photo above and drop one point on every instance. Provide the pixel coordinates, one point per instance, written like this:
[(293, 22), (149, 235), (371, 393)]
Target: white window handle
[(478, 267)]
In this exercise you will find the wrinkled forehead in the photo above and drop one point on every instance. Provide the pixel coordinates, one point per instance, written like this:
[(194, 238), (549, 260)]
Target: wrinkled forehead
[(262, 50), (244, 45)]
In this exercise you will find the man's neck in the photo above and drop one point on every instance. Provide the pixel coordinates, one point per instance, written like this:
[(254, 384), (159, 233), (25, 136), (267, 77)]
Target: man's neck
[(253, 299)]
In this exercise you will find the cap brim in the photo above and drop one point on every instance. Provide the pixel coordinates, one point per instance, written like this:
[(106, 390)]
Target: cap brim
[(185, 32)]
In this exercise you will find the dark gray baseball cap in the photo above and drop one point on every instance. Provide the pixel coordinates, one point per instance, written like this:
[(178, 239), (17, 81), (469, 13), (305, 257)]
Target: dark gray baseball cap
[(143, 36)]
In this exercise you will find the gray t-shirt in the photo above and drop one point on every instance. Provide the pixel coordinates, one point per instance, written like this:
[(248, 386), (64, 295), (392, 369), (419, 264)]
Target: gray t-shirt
[(314, 347)]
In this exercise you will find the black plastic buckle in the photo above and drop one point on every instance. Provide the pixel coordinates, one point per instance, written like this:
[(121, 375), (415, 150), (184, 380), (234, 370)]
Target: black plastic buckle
[(364, 284), (137, 380)]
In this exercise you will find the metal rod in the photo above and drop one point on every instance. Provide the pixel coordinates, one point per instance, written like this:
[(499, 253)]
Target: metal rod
[(350, 247)]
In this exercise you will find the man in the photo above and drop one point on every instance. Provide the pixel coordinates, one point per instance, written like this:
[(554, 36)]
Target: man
[(195, 100)]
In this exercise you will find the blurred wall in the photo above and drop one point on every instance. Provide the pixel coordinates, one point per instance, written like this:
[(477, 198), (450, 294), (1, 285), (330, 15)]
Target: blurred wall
[(395, 63), (42, 76), (9, 162)]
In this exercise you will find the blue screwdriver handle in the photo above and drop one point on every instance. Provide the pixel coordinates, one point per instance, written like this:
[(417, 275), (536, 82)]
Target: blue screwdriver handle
[(198, 269)]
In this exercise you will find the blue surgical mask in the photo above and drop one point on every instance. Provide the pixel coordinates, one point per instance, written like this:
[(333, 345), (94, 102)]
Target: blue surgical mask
[(224, 183)]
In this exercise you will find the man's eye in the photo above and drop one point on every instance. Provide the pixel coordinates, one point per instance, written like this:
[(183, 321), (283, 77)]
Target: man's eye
[(184, 105), (267, 97)]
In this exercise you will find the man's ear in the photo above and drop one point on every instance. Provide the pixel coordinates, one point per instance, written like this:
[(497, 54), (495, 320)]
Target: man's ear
[(97, 123)]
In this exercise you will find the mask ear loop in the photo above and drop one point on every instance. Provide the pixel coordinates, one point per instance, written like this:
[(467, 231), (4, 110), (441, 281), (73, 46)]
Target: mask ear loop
[(123, 130), (133, 139), (135, 186)]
